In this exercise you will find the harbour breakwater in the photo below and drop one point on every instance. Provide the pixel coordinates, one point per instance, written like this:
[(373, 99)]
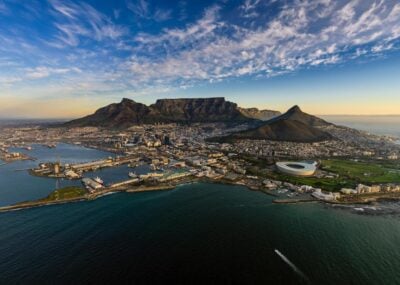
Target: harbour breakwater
[(93, 196)]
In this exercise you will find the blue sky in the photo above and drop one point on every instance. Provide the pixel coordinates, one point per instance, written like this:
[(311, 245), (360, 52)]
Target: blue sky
[(64, 58)]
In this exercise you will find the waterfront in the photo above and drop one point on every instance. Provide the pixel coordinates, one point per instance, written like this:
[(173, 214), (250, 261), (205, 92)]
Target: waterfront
[(18, 185), (197, 233)]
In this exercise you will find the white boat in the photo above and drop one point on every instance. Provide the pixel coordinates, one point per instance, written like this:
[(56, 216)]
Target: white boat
[(132, 175), (98, 180)]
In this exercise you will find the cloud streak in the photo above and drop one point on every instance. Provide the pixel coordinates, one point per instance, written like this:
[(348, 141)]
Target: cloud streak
[(304, 33), (83, 20), (142, 10)]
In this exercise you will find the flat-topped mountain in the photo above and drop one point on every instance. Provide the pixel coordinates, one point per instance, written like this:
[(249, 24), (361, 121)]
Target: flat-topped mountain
[(197, 110), (294, 126)]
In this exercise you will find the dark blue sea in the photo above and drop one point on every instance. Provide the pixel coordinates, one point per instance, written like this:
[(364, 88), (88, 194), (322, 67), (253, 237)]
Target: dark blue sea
[(194, 234), (379, 124)]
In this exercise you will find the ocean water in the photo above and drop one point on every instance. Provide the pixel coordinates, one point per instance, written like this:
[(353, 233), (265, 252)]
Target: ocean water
[(197, 234), (379, 125)]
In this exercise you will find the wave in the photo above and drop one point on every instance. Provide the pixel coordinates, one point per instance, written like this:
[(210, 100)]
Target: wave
[(291, 264)]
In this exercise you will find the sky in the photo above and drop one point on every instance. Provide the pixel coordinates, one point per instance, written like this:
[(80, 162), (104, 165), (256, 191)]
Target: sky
[(65, 58)]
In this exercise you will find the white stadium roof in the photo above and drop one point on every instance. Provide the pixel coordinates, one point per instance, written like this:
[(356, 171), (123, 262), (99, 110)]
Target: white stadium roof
[(297, 168)]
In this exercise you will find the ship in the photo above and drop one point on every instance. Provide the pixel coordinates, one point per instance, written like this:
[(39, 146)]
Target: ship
[(91, 185)]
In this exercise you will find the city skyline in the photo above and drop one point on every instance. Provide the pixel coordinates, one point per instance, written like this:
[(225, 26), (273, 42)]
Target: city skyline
[(65, 59)]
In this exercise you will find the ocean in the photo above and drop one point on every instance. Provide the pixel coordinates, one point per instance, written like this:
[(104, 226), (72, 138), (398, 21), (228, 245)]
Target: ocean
[(379, 125), (197, 234), (194, 234)]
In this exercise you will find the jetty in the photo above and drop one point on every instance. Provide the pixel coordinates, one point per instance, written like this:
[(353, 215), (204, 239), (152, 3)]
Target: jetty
[(293, 201)]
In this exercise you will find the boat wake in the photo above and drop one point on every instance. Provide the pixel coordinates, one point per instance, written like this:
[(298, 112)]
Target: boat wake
[(291, 265)]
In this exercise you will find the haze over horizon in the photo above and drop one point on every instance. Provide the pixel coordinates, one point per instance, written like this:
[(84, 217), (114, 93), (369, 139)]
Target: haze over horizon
[(65, 59)]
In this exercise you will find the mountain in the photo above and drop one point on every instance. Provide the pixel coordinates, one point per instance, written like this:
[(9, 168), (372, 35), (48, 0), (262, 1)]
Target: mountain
[(296, 114), (128, 113), (254, 113), (122, 114), (197, 110), (294, 126)]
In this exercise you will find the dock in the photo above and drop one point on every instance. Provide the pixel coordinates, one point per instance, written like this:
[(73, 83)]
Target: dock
[(293, 201)]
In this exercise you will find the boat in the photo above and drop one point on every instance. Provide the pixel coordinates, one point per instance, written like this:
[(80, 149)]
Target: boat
[(132, 175), (98, 180)]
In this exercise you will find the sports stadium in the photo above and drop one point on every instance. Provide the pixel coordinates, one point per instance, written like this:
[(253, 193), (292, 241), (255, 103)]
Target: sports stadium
[(297, 168)]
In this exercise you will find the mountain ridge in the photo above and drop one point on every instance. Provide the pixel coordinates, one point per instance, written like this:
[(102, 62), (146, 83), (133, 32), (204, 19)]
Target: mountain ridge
[(294, 126), (182, 110)]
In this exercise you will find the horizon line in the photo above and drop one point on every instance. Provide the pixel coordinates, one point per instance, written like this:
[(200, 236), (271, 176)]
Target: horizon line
[(72, 118)]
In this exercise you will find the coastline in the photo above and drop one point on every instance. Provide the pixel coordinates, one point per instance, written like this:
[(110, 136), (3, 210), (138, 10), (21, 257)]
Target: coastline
[(351, 200), (93, 196)]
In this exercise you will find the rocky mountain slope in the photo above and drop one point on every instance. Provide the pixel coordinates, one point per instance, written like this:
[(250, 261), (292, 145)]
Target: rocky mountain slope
[(128, 113), (254, 113), (294, 126)]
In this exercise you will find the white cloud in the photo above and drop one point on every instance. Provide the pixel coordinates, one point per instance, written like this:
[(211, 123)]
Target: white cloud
[(249, 8), (306, 32), (142, 10), (8, 81), (43, 71), (82, 20)]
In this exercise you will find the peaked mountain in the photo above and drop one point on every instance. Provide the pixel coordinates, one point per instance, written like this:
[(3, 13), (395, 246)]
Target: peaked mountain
[(294, 126), (128, 113), (120, 115), (296, 114), (254, 113)]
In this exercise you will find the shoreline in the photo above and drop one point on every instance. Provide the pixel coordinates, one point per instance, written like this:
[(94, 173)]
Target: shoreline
[(363, 200), (93, 196)]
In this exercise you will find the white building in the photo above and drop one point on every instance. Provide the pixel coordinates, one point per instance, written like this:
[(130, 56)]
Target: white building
[(325, 197)]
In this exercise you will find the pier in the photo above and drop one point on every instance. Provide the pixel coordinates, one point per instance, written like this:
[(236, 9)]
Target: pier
[(293, 201)]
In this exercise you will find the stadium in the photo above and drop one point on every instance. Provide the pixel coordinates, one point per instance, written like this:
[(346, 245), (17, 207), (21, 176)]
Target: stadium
[(297, 168)]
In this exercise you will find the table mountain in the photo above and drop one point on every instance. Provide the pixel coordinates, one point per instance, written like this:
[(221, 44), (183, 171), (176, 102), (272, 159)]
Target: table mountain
[(128, 113)]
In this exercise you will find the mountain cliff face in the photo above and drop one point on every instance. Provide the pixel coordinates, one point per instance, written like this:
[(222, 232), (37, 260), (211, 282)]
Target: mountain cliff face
[(294, 126), (254, 113), (128, 113), (120, 115), (196, 110)]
